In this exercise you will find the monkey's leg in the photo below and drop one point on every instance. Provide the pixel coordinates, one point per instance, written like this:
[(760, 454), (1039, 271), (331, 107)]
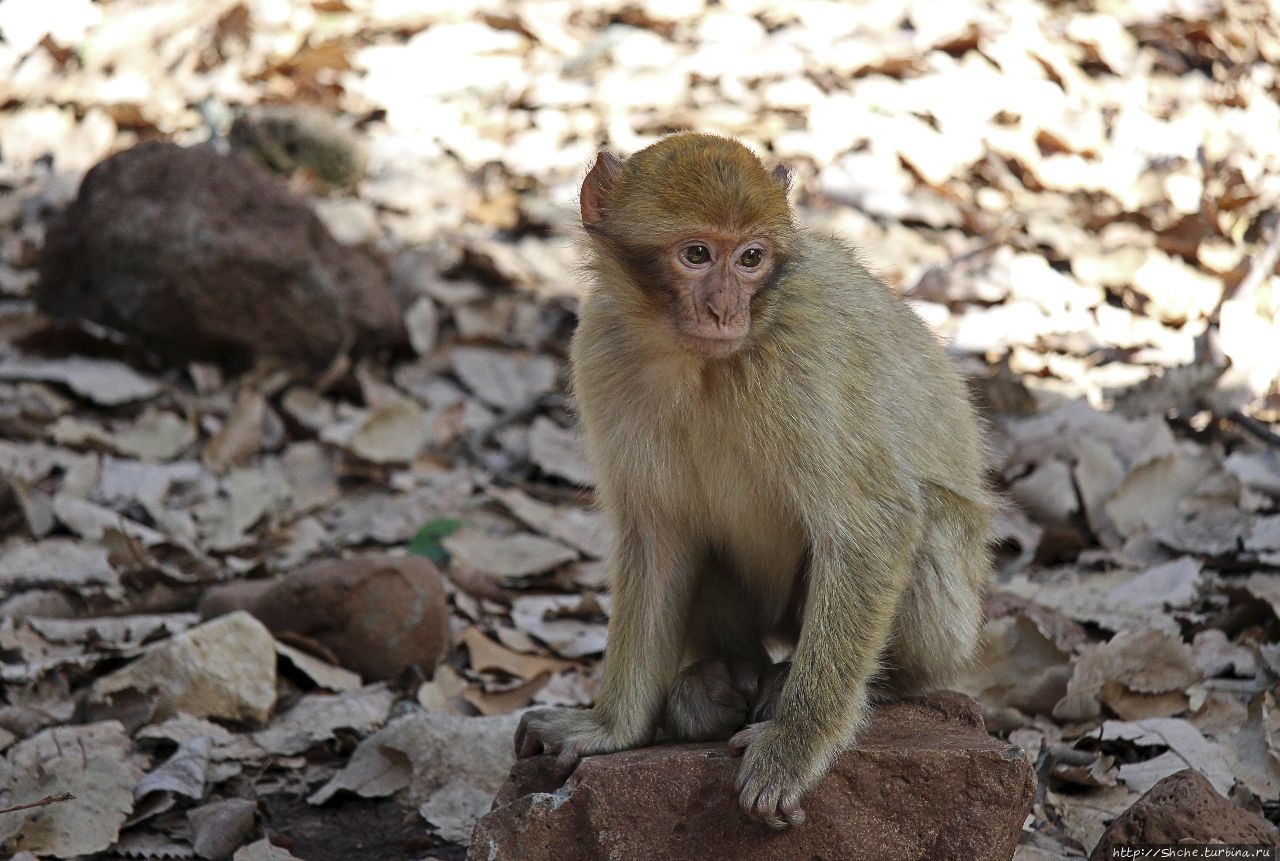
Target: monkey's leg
[(855, 579), (653, 589), (940, 617), (710, 697), (708, 701)]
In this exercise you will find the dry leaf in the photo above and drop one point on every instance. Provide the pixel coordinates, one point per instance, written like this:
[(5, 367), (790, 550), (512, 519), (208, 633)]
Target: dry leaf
[(508, 381), (496, 702), (90, 761), (510, 557), (240, 436), (316, 717), (559, 452), (485, 654), (103, 382), (392, 433)]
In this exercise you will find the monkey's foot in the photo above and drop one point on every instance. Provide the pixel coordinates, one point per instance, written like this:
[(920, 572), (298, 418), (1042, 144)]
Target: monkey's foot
[(773, 776), (569, 733), (708, 701), (769, 692)]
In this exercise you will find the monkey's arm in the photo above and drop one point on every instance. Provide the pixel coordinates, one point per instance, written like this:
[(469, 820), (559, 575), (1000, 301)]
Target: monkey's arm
[(652, 591), (859, 563)]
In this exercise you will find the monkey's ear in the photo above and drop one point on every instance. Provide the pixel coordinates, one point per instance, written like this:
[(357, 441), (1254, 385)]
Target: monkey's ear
[(596, 188), (782, 176)]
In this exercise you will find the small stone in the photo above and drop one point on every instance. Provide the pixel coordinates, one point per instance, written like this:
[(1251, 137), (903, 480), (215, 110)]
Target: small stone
[(1184, 808), (225, 668), (377, 614), (925, 781)]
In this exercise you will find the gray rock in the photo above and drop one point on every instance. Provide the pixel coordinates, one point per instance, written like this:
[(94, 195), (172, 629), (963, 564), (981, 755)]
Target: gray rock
[(208, 256)]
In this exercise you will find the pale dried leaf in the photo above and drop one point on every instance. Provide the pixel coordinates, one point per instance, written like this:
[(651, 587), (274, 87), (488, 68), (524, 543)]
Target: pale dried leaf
[(507, 556), (99, 380)]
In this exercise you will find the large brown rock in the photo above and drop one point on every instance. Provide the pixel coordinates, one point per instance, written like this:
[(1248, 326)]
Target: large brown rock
[(377, 614), (208, 256), (926, 781), (1184, 807)]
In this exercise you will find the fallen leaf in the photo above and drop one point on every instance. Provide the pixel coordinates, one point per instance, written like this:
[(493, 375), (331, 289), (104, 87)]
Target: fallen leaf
[(559, 452), (57, 562), (496, 702), (240, 436), (183, 773), (1143, 661), (1187, 748), (104, 382), (583, 529), (508, 381), (485, 654), (92, 762), (323, 673), (454, 808), (316, 717), (424, 751), (392, 433), (510, 557), (545, 617)]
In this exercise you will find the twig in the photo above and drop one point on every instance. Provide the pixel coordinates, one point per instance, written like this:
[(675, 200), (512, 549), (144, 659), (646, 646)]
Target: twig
[(1256, 427), (1265, 263), (44, 802)]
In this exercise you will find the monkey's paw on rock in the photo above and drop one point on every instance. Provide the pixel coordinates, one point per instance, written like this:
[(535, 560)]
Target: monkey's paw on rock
[(925, 781)]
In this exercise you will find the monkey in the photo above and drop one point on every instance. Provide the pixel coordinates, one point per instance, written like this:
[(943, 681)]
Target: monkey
[(786, 456)]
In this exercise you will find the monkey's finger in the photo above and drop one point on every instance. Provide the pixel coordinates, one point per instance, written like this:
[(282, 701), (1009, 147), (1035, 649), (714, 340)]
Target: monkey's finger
[(766, 810), (792, 812), (742, 740)]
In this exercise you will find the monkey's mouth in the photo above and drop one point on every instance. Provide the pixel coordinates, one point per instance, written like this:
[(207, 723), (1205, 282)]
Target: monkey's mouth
[(711, 348)]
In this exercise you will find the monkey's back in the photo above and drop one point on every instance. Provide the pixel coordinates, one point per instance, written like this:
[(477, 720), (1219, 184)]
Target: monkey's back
[(890, 372)]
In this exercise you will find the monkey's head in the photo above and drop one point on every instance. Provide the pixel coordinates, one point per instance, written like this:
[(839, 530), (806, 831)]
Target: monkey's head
[(700, 232)]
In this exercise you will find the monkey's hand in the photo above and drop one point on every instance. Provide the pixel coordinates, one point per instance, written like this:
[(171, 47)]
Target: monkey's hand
[(775, 773), (569, 733)]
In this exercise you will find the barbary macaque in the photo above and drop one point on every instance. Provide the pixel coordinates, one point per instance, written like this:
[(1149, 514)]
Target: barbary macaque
[(786, 456)]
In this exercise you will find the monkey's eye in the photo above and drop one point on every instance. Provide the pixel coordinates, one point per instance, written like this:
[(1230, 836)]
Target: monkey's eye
[(696, 255), (751, 258)]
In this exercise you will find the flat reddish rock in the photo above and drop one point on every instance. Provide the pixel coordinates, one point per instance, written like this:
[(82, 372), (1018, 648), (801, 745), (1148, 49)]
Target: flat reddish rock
[(1184, 807), (926, 781)]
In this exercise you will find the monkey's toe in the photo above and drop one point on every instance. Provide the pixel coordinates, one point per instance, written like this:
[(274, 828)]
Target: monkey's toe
[(776, 805), (772, 779), (704, 703), (570, 734), (743, 739), (533, 735)]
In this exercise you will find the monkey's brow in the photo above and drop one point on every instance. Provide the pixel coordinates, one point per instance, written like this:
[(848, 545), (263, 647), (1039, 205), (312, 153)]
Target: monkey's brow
[(717, 233)]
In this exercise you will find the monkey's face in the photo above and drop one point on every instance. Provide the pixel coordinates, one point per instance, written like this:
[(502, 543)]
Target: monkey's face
[(700, 228), (710, 281)]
